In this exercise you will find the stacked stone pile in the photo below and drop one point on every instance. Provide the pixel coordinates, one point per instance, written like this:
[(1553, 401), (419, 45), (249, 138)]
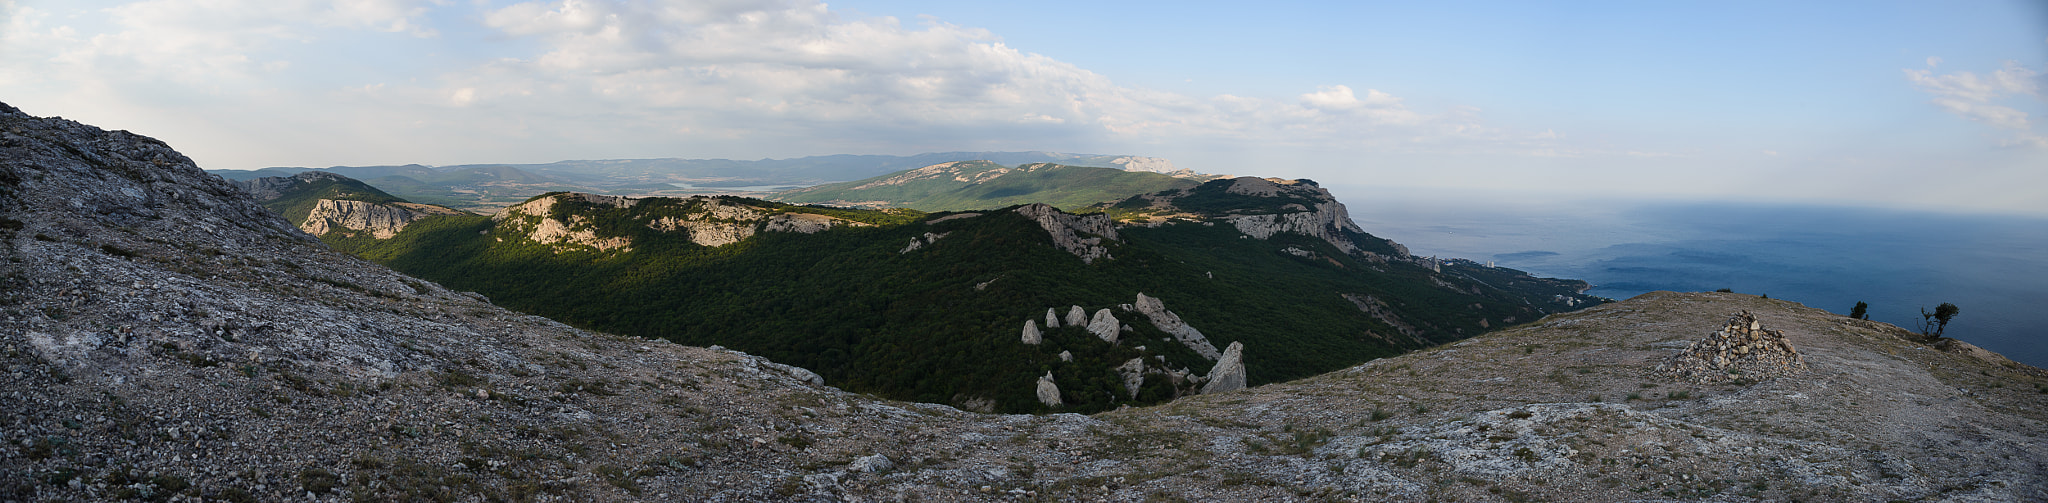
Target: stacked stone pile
[(1742, 348)]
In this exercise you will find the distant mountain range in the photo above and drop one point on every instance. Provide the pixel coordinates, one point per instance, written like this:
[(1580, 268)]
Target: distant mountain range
[(969, 185), (487, 187)]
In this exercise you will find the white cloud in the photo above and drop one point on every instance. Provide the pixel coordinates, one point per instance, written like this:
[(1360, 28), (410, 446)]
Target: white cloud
[(1984, 98)]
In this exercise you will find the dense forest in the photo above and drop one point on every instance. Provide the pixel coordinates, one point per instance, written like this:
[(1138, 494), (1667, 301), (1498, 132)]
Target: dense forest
[(941, 323)]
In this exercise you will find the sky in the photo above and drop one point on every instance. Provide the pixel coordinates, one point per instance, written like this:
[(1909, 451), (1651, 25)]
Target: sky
[(1916, 105)]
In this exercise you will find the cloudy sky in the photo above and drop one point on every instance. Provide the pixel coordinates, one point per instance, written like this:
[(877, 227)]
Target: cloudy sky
[(1925, 105)]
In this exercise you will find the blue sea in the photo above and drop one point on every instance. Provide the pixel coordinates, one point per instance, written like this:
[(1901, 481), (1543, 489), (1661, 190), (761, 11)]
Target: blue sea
[(1995, 268)]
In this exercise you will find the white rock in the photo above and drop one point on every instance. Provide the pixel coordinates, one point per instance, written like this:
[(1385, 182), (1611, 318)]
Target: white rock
[(1031, 334), (870, 464), (1077, 317), (1066, 356), (1133, 373), (1048, 392), (1052, 318), (1104, 325), (1170, 323), (1228, 374)]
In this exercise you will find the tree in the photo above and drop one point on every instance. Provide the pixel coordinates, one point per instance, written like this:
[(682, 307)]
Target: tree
[(1933, 324), (1861, 311)]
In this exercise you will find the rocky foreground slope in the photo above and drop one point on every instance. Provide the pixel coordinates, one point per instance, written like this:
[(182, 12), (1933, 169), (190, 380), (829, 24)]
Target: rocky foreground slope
[(164, 338)]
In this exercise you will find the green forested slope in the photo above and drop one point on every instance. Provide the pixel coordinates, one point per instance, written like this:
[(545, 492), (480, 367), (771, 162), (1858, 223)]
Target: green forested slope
[(941, 323)]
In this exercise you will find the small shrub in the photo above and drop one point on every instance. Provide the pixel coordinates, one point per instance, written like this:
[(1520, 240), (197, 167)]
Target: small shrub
[(318, 480)]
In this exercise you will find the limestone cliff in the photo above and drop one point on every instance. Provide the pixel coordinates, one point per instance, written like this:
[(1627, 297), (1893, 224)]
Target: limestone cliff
[(1260, 208), (382, 221), (1081, 235), (706, 220)]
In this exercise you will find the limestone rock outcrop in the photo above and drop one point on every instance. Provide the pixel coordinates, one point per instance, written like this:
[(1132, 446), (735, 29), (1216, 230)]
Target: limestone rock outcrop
[(1327, 220), (1052, 318), (917, 243), (1105, 325), (1048, 391), (1228, 374), (1068, 230), (1066, 356), (382, 221), (1077, 317), (1133, 373), (707, 220), (1170, 323), (536, 219), (1741, 349), (1031, 333)]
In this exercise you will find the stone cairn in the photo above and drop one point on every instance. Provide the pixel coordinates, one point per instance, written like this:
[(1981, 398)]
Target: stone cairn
[(1741, 349)]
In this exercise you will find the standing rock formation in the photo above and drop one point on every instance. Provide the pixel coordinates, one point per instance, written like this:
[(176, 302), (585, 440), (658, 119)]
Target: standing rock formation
[(1066, 230), (1171, 323), (1066, 356), (1133, 373), (1052, 318), (1104, 325), (1228, 374), (1742, 348), (1031, 334), (1048, 392), (1077, 317)]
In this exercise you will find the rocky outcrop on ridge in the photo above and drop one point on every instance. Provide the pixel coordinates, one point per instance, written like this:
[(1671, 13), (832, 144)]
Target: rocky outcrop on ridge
[(706, 220), (1259, 208), (272, 187), (1031, 333), (1077, 317), (381, 220), (1170, 323), (1068, 230), (1052, 318), (1228, 374), (1741, 349)]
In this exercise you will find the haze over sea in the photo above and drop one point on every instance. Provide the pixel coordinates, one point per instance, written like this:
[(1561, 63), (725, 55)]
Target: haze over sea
[(1994, 267)]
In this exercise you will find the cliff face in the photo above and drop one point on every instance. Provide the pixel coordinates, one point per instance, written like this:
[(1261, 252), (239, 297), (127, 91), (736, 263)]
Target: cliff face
[(706, 220), (382, 221), (1260, 208)]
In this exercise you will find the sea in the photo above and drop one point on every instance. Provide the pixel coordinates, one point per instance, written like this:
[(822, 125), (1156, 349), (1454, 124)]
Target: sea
[(1993, 267)]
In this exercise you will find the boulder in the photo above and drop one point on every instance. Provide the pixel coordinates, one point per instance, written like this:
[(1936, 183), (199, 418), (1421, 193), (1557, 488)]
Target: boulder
[(870, 464), (1228, 374), (1104, 325), (1077, 317), (1052, 318), (1066, 356), (1031, 334), (1048, 392)]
